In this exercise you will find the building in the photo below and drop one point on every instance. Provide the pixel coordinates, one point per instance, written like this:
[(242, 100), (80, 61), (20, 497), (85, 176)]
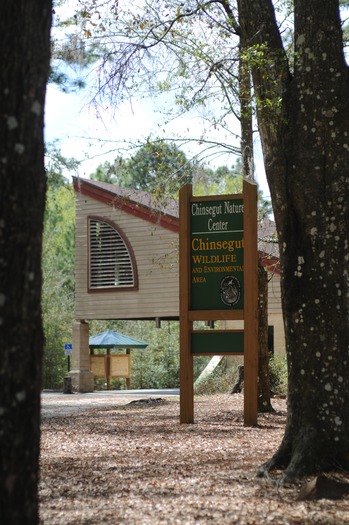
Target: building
[(126, 264)]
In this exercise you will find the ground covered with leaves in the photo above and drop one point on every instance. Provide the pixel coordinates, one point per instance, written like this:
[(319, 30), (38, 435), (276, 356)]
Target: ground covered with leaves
[(120, 462)]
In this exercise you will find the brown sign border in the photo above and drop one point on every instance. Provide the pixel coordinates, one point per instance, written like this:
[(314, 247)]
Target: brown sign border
[(249, 314)]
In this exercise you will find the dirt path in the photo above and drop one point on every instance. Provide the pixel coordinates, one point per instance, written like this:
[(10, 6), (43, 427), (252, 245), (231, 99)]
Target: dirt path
[(133, 464), (56, 404)]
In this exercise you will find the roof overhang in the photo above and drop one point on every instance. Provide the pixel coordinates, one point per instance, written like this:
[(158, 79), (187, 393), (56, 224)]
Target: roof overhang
[(125, 203)]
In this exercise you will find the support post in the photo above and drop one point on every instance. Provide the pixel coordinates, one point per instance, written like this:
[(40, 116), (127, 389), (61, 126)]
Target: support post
[(186, 326), (81, 375), (250, 304)]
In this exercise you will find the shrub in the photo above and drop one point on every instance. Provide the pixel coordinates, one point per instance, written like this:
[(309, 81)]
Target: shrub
[(278, 375), (220, 381)]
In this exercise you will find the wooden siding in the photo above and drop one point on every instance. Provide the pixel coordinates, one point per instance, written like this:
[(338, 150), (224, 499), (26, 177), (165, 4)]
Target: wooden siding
[(275, 313), (156, 252), (274, 293)]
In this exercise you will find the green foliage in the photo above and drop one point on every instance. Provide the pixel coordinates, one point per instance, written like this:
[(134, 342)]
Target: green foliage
[(58, 248), (57, 316), (259, 58), (158, 365), (226, 180), (58, 276), (111, 173), (158, 167), (162, 168), (56, 163), (221, 381), (219, 181), (278, 375)]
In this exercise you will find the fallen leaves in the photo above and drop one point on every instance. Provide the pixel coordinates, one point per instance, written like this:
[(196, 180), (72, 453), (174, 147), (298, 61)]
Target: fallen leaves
[(129, 465)]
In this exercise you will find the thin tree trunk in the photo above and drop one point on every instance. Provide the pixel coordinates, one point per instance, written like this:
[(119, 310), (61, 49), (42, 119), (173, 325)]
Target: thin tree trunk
[(264, 403), (245, 99)]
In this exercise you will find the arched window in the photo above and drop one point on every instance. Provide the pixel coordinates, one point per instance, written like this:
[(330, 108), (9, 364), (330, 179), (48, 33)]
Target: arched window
[(111, 260)]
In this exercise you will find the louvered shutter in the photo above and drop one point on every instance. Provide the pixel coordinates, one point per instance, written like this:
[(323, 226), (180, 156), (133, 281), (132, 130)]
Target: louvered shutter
[(110, 260)]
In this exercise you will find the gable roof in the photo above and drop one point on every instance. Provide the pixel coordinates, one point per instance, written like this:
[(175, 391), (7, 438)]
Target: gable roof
[(138, 203), (165, 212)]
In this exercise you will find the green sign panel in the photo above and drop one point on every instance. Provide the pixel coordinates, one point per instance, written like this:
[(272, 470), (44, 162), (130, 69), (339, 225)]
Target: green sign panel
[(212, 342), (217, 254)]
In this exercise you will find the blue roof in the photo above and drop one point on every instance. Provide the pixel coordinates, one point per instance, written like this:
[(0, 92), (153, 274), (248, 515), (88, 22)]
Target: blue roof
[(111, 339)]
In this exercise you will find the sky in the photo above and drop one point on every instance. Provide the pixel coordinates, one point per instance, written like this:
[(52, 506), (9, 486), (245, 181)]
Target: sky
[(94, 139)]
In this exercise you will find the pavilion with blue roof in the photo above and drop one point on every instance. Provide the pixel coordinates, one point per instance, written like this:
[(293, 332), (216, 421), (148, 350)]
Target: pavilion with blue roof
[(111, 339), (108, 366)]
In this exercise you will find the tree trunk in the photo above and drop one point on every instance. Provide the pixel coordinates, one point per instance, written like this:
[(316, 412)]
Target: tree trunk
[(264, 404), (245, 100), (304, 125), (25, 50)]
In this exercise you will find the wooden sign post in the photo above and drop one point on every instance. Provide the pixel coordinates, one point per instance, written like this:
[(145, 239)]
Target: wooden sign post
[(218, 281)]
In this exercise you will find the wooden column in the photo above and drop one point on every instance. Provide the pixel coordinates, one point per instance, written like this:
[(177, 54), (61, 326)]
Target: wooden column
[(128, 379), (250, 304), (82, 377), (186, 326)]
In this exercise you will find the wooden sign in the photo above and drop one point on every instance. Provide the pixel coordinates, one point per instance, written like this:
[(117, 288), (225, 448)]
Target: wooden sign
[(218, 281), (120, 365), (216, 253), (108, 366), (206, 342), (98, 366)]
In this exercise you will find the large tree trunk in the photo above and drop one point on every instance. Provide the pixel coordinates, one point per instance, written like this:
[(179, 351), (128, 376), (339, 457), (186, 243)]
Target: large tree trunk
[(25, 50), (304, 126)]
